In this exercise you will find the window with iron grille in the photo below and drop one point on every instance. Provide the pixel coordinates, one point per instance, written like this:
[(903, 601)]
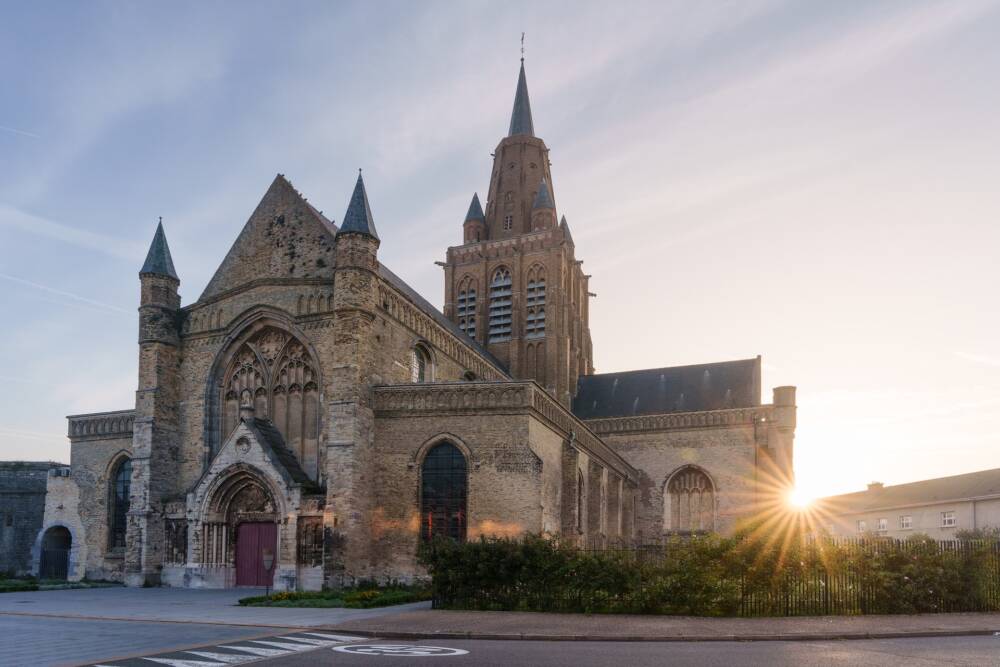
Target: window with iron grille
[(501, 306), (310, 540), (443, 493), (121, 482)]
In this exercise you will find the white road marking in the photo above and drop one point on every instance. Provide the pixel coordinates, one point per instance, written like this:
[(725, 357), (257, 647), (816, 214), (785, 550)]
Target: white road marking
[(339, 638), (408, 650), (228, 658), (285, 645), (185, 663), (265, 652), (306, 640)]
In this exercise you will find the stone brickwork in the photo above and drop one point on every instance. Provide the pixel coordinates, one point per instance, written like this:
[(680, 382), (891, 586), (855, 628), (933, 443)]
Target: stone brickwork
[(22, 509), (304, 389)]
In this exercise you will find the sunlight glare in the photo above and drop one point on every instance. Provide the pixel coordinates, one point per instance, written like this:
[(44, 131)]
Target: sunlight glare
[(799, 498)]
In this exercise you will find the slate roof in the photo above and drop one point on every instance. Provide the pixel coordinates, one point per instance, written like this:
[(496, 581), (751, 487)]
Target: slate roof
[(158, 260), (565, 227), (475, 209), (717, 386), (543, 199), (359, 213), (924, 492), (269, 436), (520, 117)]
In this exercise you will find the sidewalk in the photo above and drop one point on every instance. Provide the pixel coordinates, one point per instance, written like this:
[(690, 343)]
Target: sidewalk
[(420, 624)]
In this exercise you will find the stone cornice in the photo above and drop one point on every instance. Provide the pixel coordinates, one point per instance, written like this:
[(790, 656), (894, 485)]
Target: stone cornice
[(101, 425), (499, 397), (682, 420)]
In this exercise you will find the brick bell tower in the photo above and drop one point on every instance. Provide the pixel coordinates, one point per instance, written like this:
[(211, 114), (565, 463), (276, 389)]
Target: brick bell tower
[(515, 284)]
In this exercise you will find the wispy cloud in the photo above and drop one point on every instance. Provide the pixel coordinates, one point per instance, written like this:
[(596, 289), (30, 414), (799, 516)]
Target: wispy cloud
[(17, 219), (14, 130), (63, 293)]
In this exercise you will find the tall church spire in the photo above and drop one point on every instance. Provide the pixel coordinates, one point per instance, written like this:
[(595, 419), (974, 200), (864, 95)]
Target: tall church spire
[(520, 117), (358, 218), (158, 260)]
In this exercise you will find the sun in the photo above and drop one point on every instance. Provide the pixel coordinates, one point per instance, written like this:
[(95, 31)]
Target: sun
[(799, 499)]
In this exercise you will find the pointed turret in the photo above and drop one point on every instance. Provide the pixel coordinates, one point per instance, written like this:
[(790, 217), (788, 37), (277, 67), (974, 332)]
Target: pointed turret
[(158, 260), (475, 210), (358, 218), (520, 117), (543, 199), (564, 226)]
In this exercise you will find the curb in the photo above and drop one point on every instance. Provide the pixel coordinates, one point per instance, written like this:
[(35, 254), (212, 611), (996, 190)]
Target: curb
[(796, 637)]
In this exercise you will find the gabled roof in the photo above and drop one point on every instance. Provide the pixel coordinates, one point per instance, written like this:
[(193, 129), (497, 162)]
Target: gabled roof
[(520, 117), (475, 209), (269, 436), (358, 218), (269, 245), (717, 386), (924, 492), (543, 199), (158, 260)]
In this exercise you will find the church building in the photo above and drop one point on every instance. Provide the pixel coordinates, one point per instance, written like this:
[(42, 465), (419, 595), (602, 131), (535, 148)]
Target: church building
[(311, 418)]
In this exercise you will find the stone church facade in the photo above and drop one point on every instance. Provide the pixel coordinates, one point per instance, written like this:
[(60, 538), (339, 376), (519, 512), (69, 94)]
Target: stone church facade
[(312, 406)]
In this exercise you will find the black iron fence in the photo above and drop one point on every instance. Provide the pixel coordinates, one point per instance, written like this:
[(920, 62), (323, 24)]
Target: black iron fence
[(709, 576)]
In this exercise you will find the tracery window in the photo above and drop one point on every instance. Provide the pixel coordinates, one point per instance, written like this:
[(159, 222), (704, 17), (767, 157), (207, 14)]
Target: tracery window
[(689, 501), (535, 304), (443, 493), (501, 292), (121, 482), (466, 308), (420, 364), (279, 374)]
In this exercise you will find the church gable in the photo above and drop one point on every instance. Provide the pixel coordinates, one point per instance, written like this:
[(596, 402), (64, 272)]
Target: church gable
[(285, 238)]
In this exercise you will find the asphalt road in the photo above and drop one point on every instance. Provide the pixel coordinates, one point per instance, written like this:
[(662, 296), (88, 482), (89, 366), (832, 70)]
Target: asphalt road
[(977, 651)]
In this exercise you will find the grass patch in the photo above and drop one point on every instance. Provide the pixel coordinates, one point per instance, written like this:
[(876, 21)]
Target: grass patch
[(10, 584), (362, 597)]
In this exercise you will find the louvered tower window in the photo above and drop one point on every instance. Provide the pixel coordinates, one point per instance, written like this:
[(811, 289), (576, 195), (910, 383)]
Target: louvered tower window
[(500, 306), (466, 309), (535, 304)]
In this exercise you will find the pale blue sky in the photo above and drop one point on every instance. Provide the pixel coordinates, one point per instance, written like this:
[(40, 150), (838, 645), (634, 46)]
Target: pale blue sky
[(813, 182)]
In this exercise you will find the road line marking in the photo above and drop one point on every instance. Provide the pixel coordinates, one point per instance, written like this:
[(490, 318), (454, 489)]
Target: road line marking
[(312, 642), (285, 645), (265, 652), (173, 662), (339, 638), (229, 658)]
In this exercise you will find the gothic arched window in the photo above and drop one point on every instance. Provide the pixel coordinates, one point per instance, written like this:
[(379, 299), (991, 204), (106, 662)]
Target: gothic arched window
[(535, 304), (443, 493), (501, 291), (689, 501), (121, 482), (466, 307), (420, 365), (278, 373)]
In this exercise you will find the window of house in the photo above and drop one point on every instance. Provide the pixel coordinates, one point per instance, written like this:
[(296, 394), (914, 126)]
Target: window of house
[(501, 306), (883, 525), (862, 525), (948, 520), (121, 482), (508, 222), (905, 522), (420, 365), (443, 493)]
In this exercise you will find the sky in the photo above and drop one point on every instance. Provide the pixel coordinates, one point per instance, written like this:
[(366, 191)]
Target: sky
[(816, 183)]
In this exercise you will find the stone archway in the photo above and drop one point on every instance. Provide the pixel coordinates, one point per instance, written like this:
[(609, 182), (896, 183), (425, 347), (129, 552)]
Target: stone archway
[(54, 562)]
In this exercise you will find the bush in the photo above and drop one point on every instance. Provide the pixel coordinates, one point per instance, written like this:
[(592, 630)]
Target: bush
[(365, 595), (751, 574)]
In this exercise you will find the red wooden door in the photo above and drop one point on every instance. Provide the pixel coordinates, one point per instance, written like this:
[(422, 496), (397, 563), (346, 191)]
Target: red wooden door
[(252, 539)]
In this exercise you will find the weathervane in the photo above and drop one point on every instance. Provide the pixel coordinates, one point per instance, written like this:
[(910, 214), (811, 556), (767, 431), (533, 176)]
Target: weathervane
[(522, 47)]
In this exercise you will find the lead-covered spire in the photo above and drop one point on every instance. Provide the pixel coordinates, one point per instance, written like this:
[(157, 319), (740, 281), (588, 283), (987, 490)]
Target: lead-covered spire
[(520, 117), (475, 209), (358, 218), (158, 260)]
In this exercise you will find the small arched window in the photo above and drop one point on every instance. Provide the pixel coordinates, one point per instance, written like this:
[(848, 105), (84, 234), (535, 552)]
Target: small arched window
[(443, 493), (501, 306), (121, 483), (420, 364), (689, 501)]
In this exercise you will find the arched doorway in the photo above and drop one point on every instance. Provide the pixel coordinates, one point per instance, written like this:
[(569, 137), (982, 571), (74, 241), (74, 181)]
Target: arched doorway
[(244, 527), (54, 563)]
